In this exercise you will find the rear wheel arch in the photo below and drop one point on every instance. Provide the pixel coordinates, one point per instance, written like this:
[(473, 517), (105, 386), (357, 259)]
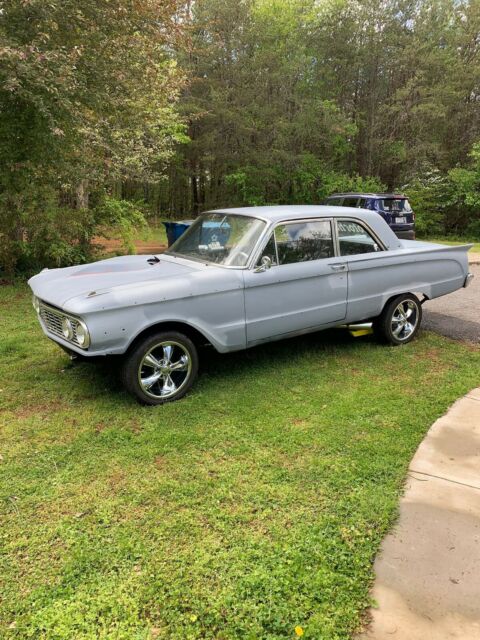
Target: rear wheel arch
[(385, 324), (417, 294)]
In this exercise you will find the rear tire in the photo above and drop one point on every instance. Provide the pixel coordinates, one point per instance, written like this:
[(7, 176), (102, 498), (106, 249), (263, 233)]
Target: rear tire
[(160, 368), (399, 321)]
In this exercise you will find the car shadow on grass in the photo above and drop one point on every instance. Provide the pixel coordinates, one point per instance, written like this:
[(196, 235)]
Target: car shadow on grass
[(272, 355), (104, 376)]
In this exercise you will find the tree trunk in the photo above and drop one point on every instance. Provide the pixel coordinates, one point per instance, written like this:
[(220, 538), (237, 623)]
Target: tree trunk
[(82, 195), (195, 194)]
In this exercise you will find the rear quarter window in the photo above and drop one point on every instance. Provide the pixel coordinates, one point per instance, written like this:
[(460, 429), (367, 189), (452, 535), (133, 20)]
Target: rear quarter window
[(354, 239)]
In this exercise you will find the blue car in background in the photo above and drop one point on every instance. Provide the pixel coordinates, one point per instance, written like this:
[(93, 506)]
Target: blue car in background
[(393, 207)]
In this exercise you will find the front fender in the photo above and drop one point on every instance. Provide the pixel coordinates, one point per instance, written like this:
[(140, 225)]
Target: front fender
[(218, 316)]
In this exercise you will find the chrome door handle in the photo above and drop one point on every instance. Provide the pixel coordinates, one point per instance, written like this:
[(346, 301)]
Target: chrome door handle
[(338, 267)]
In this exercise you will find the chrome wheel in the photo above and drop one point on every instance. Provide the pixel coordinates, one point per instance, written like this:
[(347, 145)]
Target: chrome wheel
[(404, 319), (164, 369)]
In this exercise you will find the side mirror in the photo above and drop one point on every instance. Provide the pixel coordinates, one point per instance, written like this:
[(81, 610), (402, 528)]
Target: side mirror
[(265, 263)]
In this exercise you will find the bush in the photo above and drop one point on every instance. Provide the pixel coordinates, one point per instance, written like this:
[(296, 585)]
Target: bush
[(37, 232), (428, 195), (120, 219), (448, 204)]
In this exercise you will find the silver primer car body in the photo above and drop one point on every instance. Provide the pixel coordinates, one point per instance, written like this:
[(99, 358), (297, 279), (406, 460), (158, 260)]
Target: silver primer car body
[(308, 268)]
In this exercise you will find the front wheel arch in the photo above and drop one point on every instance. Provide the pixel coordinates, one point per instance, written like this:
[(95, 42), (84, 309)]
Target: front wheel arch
[(196, 336)]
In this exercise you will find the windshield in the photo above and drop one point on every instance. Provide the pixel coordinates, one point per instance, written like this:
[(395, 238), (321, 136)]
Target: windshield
[(397, 205), (220, 238)]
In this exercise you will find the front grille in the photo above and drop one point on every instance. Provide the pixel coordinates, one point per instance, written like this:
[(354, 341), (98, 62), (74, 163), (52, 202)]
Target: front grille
[(52, 319)]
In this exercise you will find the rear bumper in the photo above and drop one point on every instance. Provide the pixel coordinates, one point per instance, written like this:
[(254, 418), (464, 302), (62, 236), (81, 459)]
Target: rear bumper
[(468, 279), (405, 235)]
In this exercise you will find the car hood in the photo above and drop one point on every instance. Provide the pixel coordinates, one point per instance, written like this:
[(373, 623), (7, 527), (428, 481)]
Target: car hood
[(58, 286)]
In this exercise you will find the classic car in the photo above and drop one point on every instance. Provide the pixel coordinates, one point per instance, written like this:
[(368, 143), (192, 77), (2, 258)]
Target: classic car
[(240, 277)]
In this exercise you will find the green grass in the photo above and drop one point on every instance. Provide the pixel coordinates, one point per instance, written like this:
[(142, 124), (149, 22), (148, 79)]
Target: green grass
[(474, 249), (254, 505), (153, 233)]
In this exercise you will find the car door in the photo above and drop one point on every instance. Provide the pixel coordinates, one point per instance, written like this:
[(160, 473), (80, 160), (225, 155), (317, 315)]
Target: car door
[(302, 286), (369, 268)]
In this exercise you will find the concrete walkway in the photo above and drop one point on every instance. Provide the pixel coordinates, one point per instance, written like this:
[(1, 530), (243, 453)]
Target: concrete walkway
[(428, 571)]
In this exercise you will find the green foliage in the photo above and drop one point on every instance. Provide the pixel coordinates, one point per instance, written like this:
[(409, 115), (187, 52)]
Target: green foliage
[(448, 204), (191, 106), (120, 219), (87, 95), (427, 195), (248, 186), (290, 96), (57, 236), (36, 231), (310, 181), (334, 182), (237, 513)]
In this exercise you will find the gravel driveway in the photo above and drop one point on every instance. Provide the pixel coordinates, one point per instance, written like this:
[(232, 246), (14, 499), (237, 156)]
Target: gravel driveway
[(458, 314)]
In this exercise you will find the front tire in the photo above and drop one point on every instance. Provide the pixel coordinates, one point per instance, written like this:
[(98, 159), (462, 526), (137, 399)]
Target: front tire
[(399, 321), (160, 368)]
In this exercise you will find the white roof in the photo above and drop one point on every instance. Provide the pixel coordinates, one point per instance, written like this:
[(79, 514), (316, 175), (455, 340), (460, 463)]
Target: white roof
[(278, 213)]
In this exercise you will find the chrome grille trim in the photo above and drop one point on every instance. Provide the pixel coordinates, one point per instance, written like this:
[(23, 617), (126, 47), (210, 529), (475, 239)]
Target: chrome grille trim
[(52, 320)]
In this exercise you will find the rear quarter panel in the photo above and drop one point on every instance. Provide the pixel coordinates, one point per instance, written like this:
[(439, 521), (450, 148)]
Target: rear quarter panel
[(419, 267)]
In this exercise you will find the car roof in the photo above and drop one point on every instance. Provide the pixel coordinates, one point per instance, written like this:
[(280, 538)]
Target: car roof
[(280, 213), (275, 213), (367, 195)]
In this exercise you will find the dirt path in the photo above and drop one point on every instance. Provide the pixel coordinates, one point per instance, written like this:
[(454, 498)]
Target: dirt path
[(143, 247)]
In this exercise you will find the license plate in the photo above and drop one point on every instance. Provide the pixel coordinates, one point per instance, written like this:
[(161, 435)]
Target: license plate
[(400, 220)]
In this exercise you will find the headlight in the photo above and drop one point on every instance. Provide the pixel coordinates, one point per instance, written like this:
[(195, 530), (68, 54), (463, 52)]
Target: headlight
[(67, 328), (36, 303), (83, 337)]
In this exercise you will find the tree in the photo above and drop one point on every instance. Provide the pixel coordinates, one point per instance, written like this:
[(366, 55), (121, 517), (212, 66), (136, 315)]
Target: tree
[(255, 116), (87, 95)]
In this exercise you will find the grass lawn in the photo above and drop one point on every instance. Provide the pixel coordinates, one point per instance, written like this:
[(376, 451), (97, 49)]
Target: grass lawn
[(154, 233), (253, 506), (474, 249)]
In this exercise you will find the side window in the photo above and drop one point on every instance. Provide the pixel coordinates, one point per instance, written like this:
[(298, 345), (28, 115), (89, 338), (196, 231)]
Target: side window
[(350, 202), (353, 239), (304, 241)]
